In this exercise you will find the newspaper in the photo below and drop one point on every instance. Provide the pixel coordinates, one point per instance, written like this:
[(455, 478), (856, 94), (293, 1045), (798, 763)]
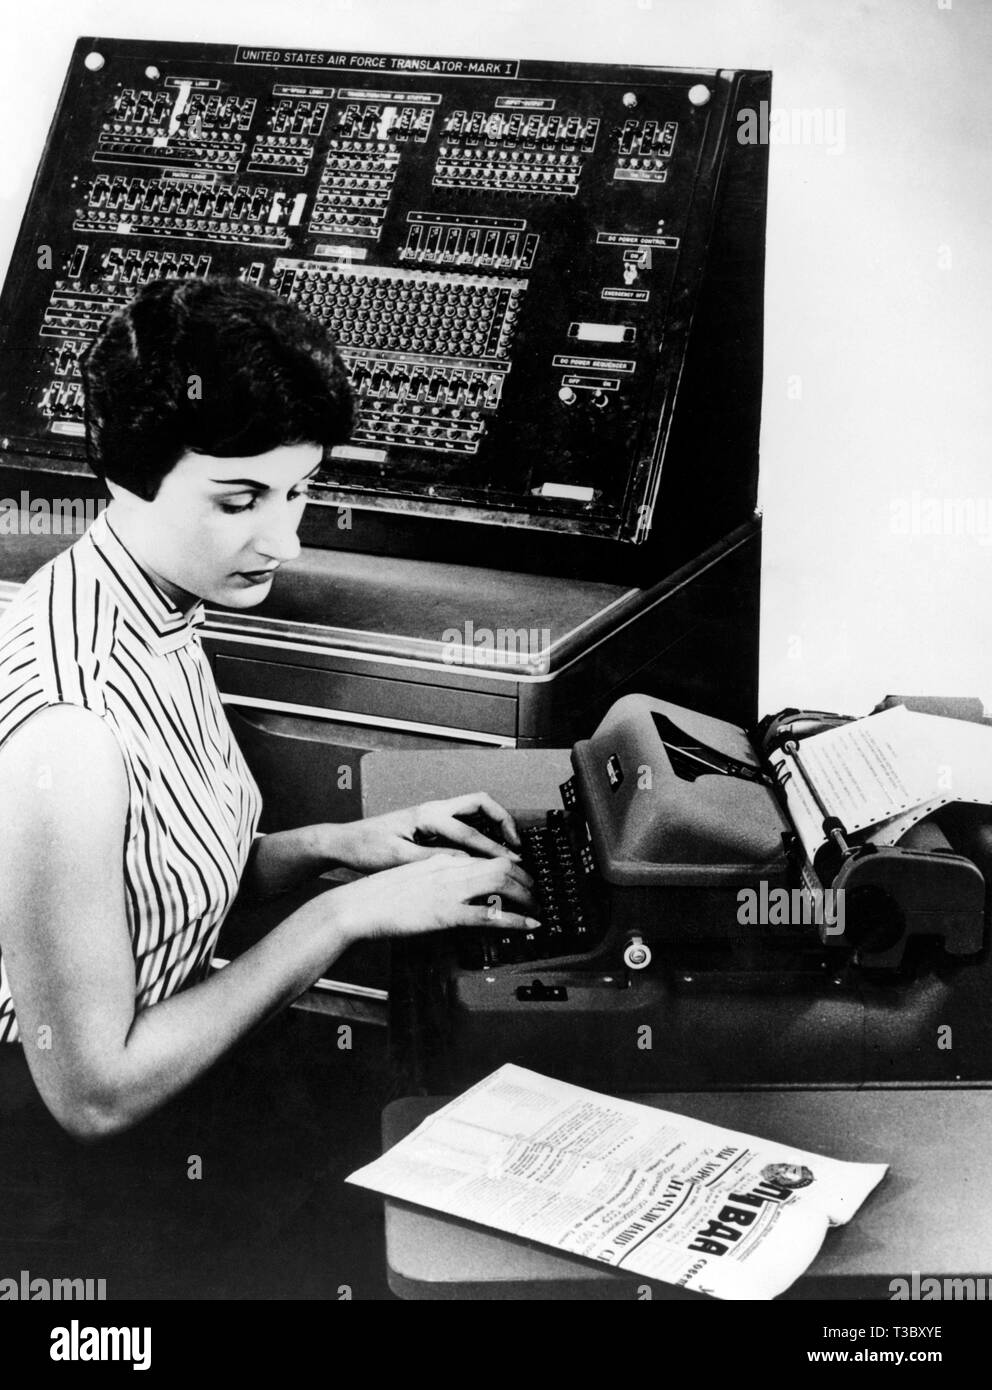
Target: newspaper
[(642, 1190)]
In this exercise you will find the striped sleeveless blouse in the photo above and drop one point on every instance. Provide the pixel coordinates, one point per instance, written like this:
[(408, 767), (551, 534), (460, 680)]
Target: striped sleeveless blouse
[(91, 629)]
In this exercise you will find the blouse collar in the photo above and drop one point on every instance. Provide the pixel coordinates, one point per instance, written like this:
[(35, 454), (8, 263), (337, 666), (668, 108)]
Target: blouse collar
[(155, 617)]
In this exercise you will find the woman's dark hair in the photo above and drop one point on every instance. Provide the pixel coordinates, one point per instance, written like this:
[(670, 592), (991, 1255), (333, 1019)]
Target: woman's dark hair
[(209, 366)]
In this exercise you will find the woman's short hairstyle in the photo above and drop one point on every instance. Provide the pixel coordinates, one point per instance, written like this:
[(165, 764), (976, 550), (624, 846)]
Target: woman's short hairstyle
[(208, 366)]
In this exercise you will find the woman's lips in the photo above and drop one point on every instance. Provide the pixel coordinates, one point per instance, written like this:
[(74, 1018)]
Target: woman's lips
[(255, 576)]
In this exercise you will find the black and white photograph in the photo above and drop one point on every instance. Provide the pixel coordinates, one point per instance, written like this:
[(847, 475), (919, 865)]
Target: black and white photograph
[(495, 686)]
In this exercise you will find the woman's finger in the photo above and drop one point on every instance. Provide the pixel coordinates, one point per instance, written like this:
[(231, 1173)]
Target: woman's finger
[(502, 817), (495, 919), (409, 852), (473, 840), (499, 878), (472, 802), (501, 871)]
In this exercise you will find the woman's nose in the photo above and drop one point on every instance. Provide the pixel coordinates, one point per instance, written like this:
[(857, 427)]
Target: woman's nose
[(279, 540)]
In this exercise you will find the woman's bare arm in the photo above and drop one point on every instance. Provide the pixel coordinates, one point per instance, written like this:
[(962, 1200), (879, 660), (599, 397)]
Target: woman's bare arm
[(98, 1065), (284, 859)]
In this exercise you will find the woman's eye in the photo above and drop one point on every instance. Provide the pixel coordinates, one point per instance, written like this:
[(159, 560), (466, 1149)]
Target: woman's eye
[(233, 507)]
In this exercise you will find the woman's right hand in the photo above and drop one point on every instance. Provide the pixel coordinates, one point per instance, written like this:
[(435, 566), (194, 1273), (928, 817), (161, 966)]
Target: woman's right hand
[(435, 894)]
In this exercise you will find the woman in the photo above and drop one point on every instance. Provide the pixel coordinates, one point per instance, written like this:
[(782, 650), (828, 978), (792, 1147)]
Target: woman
[(129, 813)]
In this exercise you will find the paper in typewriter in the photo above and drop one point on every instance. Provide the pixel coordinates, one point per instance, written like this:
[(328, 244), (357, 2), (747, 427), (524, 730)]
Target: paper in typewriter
[(641, 1190), (888, 771)]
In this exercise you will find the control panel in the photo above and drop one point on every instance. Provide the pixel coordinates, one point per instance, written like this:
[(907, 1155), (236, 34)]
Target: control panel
[(545, 279)]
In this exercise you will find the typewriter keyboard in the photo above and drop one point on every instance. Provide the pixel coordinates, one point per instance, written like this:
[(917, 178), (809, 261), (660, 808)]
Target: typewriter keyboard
[(563, 883)]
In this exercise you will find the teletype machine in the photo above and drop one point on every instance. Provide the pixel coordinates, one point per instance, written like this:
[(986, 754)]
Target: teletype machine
[(546, 280), (690, 941)]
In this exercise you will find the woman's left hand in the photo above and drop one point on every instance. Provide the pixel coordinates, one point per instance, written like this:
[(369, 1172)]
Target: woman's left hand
[(385, 842)]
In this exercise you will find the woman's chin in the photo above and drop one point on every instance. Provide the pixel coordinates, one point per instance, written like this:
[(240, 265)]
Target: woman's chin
[(242, 592)]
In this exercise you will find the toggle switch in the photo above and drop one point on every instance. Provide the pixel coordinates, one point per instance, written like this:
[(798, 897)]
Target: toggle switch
[(567, 396)]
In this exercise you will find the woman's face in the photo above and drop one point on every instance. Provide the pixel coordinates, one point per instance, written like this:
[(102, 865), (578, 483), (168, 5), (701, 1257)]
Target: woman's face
[(218, 529)]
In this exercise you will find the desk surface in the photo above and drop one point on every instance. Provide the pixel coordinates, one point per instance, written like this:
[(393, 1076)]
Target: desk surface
[(520, 779), (930, 1214)]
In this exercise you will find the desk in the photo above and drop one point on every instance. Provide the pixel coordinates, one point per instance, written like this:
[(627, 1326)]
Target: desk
[(930, 1214)]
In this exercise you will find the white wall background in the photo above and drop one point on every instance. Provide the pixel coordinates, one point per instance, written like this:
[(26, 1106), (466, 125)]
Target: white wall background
[(879, 282)]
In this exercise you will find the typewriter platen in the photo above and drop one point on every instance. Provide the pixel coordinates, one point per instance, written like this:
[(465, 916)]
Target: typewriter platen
[(688, 940)]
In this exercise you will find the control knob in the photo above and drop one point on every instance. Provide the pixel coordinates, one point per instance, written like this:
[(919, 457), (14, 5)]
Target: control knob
[(636, 955)]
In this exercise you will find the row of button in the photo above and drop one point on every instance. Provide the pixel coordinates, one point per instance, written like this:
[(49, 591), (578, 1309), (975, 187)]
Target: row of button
[(358, 164), (466, 289), (348, 203), (394, 338), (358, 182), (149, 132), (349, 198), (224, 161), (284, 142), (195, 228), (439, 422), (636, 162), (415, 435), (505, 181), (371, 149), (500, 172), (139, 220), (263, 160), (347, 223), (481, 156)]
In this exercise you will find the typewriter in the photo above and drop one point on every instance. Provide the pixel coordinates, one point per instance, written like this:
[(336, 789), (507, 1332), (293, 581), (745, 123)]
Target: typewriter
[(696, 933)]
